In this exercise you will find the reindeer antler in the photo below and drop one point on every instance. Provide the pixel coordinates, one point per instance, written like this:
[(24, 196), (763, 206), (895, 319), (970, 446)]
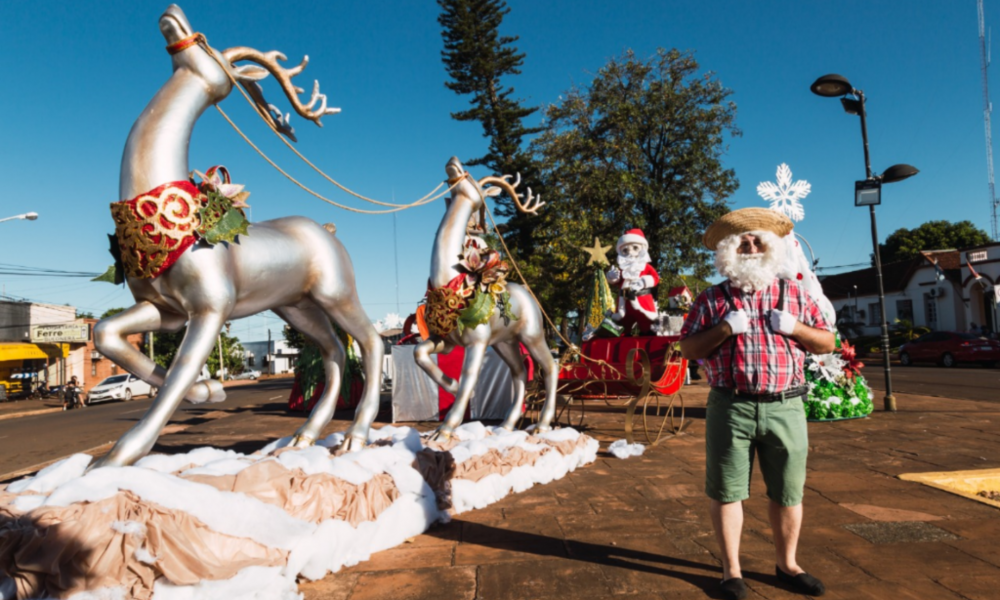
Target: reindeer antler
[(269, 60), (504, 184)]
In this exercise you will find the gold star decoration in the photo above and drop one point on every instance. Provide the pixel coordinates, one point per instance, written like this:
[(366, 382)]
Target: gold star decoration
[(598, 254)]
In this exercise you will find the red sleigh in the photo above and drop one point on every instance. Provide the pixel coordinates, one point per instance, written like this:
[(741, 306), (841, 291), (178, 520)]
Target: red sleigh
[(643, 374)]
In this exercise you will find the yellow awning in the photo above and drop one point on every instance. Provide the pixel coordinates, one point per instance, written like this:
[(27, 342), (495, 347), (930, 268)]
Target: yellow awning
[(17, 351)]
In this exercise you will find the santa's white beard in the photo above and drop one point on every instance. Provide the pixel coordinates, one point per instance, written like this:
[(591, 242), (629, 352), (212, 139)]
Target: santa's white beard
[(750, 272), (633, 266)]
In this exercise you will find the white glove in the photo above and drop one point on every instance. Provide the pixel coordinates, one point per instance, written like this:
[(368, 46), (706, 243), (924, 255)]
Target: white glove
[(738, 321), (783, 322), (614, 274), (636, 285)]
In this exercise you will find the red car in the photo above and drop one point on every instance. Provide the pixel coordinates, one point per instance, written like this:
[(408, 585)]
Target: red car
[(949, 348)]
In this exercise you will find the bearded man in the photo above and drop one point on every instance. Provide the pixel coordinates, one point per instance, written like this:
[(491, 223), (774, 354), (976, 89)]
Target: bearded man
[(753, 331), (636, 281)]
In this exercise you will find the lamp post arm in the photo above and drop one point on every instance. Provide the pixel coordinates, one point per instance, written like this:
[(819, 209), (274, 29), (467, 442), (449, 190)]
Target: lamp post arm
[(864, 136)]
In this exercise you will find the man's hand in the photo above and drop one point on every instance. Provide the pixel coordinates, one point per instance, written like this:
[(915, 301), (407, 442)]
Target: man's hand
[(636, 285), (738, 321), (614, 274), (783, 322)]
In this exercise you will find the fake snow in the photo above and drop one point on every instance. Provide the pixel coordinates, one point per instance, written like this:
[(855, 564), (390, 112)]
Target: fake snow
[(315, 549), (622, 449)]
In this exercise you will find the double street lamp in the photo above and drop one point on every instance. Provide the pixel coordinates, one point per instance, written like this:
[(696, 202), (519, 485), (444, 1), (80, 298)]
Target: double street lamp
[(867, 192), (31, 216)]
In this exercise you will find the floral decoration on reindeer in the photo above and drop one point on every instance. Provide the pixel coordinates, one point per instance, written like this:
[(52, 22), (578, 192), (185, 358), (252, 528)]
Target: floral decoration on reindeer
[(190, 257)]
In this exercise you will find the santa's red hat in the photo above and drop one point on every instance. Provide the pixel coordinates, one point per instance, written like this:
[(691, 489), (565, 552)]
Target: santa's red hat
[(632, 236)]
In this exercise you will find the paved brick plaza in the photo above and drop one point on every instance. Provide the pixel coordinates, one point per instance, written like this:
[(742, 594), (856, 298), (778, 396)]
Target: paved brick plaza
[(639, 528)]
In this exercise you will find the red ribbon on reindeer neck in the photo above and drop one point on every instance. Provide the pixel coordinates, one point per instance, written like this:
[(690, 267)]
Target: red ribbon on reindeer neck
[(184, 44)]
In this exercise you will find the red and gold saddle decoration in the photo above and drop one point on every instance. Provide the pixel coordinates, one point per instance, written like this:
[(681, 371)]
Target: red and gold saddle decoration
[(471, 298), (154, 229)]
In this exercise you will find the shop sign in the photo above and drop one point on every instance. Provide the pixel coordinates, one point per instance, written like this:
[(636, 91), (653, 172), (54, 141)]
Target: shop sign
[(65, 333)]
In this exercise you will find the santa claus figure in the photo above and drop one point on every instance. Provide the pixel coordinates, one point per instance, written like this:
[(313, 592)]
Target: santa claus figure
[(636, 281)]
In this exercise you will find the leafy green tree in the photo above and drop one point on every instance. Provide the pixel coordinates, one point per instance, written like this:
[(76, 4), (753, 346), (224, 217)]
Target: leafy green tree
[(84, 315), (232, 353), (165, 346), (904, 243), (111, 312), (640, 146)]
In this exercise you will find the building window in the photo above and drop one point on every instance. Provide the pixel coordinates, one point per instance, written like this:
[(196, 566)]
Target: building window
[(904, 310), (978, 256), (874, 314), (93, 369), (930, 308), (114, 369), (250, 361)]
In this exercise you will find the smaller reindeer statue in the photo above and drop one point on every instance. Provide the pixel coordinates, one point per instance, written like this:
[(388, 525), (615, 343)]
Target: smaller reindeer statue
[(183, 272), (470, 304)]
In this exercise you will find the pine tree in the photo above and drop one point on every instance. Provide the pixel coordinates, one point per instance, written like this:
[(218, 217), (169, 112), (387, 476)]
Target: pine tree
[(476, 58)]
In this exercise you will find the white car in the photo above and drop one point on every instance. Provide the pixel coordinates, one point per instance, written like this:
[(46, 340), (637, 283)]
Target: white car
[(250, 374), (119, 387)]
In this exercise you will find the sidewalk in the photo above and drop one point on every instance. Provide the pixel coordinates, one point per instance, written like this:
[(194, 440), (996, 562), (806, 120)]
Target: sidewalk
[(639, 528)]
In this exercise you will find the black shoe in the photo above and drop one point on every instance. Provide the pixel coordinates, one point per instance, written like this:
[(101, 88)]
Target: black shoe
[(803, 583), (734, 589)]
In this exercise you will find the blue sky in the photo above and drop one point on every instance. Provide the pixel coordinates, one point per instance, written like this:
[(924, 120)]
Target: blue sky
[(78, 74)]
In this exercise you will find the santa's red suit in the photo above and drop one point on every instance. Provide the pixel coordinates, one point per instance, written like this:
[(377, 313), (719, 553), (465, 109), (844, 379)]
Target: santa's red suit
[(636, 306)]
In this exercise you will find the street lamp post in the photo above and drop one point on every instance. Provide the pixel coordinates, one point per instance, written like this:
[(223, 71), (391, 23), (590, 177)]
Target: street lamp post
[(867, 193), (31, 216)]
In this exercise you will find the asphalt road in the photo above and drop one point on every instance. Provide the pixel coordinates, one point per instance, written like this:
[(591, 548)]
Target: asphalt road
[(961, 382), (32, 440)]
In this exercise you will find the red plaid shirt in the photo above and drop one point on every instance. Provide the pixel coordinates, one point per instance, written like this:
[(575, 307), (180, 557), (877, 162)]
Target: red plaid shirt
[(761, 361)]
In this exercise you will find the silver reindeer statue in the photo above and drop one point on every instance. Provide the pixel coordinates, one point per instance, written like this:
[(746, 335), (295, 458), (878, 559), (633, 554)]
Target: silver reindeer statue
[(523, 324), (292, 266)]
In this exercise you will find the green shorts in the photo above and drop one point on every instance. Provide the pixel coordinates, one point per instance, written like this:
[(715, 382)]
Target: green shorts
[(736, 431)]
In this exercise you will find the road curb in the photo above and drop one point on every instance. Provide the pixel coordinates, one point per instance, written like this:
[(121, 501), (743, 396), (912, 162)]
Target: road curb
[(29, 413)]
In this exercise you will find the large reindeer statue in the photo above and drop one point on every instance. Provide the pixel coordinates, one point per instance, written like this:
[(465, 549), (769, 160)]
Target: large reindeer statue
[(521, 321), (292, 266)]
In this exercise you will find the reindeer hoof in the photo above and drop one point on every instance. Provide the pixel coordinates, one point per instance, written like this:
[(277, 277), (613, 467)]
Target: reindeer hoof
[(542, 429), (351, 444), (443, 434), (208, 390), (301, 440)]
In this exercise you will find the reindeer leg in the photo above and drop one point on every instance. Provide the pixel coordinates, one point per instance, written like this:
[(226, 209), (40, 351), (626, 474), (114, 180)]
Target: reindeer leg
[(473, 363), (313, 323), (110, 339), (192, 354), (511, 354), (351, 317), (539, 351), (422, 356)]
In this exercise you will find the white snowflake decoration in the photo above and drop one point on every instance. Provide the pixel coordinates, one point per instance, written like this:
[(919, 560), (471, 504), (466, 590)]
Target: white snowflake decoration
[(786, 196), (393, 321)]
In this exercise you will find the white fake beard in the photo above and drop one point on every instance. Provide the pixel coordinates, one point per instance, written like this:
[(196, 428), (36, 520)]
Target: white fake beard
[(632, 267), (750, 272)]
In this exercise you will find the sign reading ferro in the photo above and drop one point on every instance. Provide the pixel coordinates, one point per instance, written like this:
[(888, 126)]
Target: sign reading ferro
[(63, 333)]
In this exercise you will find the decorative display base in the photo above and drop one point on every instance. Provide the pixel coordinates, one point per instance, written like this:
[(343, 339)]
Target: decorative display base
[(218, 524)]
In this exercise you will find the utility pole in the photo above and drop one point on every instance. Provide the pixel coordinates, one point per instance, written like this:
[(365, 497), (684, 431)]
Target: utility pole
[(987, 109), (222, 370)]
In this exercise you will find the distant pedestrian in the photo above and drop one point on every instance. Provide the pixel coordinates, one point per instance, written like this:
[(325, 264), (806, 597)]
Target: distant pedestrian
[(754, 330)]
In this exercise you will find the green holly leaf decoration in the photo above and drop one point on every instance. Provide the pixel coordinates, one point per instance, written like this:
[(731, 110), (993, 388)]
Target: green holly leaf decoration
[(232, 223), (478, 311), (110, 276)]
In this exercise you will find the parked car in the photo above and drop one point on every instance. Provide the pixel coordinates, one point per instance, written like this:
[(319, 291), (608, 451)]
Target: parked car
[(250, 374), (119, 387), (949, 348)]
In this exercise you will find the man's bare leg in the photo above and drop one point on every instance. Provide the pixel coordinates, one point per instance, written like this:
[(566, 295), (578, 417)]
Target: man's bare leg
[(786, 522), (727, 519)]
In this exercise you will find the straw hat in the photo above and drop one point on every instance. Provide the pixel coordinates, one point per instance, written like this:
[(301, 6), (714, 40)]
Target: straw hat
[(745, 220)]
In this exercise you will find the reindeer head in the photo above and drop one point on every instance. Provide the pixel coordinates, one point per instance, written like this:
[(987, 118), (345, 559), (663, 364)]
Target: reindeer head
[(476, 192), (219, 69)]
